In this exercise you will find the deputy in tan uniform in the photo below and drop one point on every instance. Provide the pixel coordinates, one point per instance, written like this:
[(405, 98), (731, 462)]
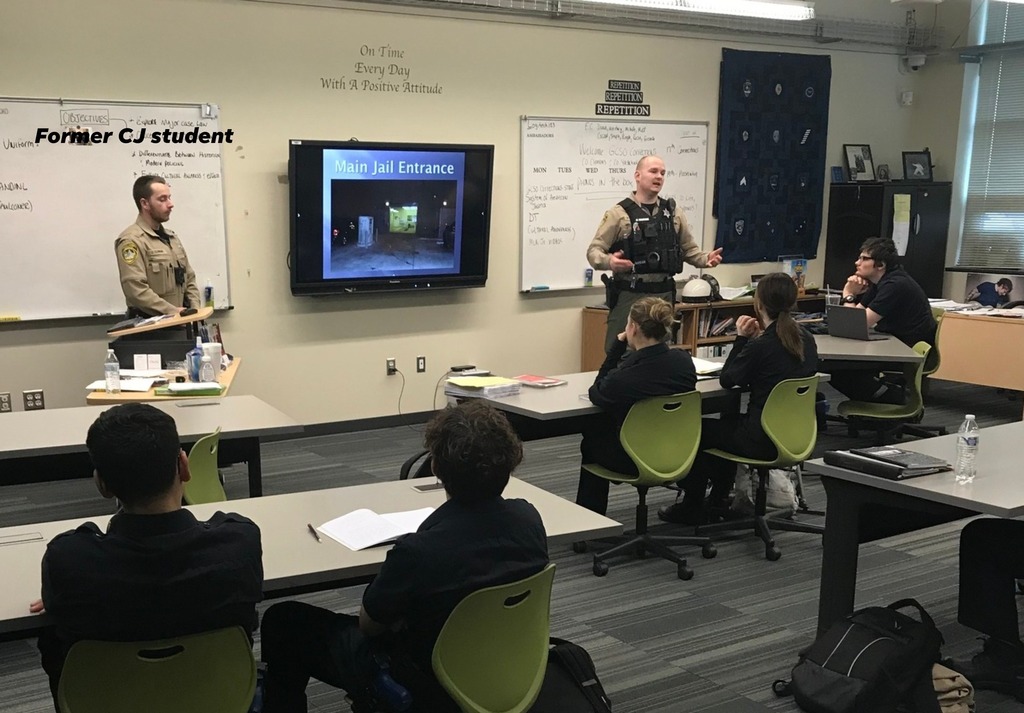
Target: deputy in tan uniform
[(608, 249), (155, 275)]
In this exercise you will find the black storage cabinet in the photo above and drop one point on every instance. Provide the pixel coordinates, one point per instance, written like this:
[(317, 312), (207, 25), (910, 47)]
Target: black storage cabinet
[(857, 211)]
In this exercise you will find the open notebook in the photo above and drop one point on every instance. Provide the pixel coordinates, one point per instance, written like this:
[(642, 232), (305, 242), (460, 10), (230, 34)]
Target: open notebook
[(364, 528)]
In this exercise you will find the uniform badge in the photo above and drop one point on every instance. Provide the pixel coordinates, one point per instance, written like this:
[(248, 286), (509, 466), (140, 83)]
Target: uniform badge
[(129, 253), (665, 213)]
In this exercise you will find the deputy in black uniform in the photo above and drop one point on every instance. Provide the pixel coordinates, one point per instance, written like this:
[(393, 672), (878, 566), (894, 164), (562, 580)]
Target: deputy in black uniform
[(644, 240)]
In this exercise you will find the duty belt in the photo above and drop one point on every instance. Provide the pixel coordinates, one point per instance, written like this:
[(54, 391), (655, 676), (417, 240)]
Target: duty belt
[(651, 288)]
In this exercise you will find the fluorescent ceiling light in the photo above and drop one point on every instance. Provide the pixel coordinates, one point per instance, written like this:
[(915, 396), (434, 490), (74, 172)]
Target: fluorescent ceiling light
[(770, 9)]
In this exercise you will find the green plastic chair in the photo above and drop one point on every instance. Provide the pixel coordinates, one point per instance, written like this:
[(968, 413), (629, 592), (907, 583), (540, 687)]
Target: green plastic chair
[(790, 421), (492, 653), (211, 672), (661, 435), (205, 485), (890, 421)]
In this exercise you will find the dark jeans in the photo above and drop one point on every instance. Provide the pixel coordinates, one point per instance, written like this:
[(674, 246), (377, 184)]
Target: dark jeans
[(991, 558), (601, 445), (736, 434), (300, 640), (52, 652)]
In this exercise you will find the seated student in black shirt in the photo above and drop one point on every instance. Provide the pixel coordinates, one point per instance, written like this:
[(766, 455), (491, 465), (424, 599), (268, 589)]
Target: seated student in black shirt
[(895, 304), (476, 539), (157, 572), (652, 369), (769, 348)]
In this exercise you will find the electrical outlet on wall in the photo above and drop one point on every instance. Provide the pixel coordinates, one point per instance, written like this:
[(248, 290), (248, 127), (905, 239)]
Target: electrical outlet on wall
[(33, 399), (389, 364), (421, 364), (5, 402)]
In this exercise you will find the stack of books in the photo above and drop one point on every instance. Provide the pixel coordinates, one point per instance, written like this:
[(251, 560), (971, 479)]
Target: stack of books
[(477, 386), (887, 462)]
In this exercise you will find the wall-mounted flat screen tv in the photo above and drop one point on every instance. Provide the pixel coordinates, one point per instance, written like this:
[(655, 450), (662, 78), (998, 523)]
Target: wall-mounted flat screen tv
[(373, 216)]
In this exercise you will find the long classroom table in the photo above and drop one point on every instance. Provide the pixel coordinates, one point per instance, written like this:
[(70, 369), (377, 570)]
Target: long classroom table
[(43, 445), (293, 561), (863, 508)]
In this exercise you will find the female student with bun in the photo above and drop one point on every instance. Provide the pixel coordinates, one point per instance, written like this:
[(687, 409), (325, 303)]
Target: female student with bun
[(651, 369), (769, 348)]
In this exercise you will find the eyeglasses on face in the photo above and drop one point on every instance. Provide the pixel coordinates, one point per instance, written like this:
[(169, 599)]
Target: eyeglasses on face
[(864, 258)]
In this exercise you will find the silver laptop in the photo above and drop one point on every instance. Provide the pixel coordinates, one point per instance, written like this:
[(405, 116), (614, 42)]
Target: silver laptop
[(851, 323)]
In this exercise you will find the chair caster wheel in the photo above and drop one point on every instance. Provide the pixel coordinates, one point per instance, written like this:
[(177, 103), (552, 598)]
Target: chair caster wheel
[(708, 551), (600, 569), (579, 547), (772, 554), (684, 573)]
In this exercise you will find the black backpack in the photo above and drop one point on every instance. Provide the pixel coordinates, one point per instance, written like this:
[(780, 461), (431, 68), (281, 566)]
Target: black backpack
[(872, 661), (570, 682)]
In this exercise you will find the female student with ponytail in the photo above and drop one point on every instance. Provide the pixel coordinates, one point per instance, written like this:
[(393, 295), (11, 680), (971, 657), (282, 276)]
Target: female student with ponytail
[(769, 348)]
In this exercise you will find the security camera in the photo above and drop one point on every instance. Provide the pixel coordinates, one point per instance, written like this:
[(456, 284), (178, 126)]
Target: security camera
[(915, 61)]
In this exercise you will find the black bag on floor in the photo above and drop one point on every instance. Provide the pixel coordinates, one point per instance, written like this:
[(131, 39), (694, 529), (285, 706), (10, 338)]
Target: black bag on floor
[(872, 661), (570, 683)]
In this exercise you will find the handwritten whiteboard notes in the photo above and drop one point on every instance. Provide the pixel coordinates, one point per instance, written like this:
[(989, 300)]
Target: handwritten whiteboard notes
[(573, 170)]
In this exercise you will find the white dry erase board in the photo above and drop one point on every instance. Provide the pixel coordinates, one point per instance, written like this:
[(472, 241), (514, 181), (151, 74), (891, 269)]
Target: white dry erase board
[(62, 205), (573, 170)]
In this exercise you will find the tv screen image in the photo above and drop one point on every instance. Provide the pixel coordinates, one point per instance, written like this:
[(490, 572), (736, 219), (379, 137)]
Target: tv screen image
[(388, 216)]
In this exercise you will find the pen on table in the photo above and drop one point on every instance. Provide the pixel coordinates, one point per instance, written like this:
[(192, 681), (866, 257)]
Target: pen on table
[(313, 532)]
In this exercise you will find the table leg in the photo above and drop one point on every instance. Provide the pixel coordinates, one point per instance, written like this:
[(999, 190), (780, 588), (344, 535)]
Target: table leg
[(841, 546), (255, 468)]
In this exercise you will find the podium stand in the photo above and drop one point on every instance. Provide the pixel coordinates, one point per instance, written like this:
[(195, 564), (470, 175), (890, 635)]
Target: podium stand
[(172, 338)]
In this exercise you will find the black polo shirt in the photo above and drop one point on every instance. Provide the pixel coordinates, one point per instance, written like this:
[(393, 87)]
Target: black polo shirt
[(760, 364), (904, 307), (153, 576), (460, 548), (656, 370)]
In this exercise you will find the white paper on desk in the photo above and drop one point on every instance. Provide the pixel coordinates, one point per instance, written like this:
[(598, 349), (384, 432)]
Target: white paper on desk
[(140, 385), (901, 222), (705, 367), (364, 528), (142, 373), (731, 293)]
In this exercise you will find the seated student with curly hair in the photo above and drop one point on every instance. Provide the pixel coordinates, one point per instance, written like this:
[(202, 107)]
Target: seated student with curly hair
[(476, 539), (652, 369), (769, 348)]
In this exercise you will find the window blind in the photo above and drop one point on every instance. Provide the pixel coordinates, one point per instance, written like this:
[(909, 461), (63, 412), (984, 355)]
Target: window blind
[(993, 232)]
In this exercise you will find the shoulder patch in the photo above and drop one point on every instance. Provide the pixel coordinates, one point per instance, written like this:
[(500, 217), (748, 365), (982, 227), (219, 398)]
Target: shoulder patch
[(129, 252)]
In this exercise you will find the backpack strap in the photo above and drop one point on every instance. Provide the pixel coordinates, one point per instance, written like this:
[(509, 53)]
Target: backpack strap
[(913, 604)]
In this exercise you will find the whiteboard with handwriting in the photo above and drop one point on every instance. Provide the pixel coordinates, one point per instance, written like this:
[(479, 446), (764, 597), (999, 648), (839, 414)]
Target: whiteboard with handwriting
[(62, 205), (573, 170)]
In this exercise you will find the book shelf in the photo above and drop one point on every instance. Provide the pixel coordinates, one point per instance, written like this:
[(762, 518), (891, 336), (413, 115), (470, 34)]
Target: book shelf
[(697, 321)]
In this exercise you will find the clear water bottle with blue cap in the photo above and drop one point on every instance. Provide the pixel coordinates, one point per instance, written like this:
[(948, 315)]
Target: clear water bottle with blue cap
[(967, 441)]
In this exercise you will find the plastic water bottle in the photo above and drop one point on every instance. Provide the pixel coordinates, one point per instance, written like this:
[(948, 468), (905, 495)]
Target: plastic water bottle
[(194, 360), (206, 372), (208, 294), (966, 450), (112, 373)]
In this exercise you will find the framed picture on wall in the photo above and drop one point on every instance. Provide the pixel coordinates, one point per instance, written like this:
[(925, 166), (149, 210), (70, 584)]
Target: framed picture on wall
[(858, 162), (883, 171), (917, 166)]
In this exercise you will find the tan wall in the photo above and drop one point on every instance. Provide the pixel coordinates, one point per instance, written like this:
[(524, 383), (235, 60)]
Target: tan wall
[(321, 360)]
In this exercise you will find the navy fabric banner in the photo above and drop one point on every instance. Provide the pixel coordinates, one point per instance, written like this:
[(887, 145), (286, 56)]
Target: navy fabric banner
[(770, 163)]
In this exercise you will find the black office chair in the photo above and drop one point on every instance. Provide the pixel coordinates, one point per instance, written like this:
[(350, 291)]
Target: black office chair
[(422, 471)]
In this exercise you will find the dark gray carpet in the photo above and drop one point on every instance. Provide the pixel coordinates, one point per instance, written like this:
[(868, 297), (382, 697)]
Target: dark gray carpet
[(710, 645)]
